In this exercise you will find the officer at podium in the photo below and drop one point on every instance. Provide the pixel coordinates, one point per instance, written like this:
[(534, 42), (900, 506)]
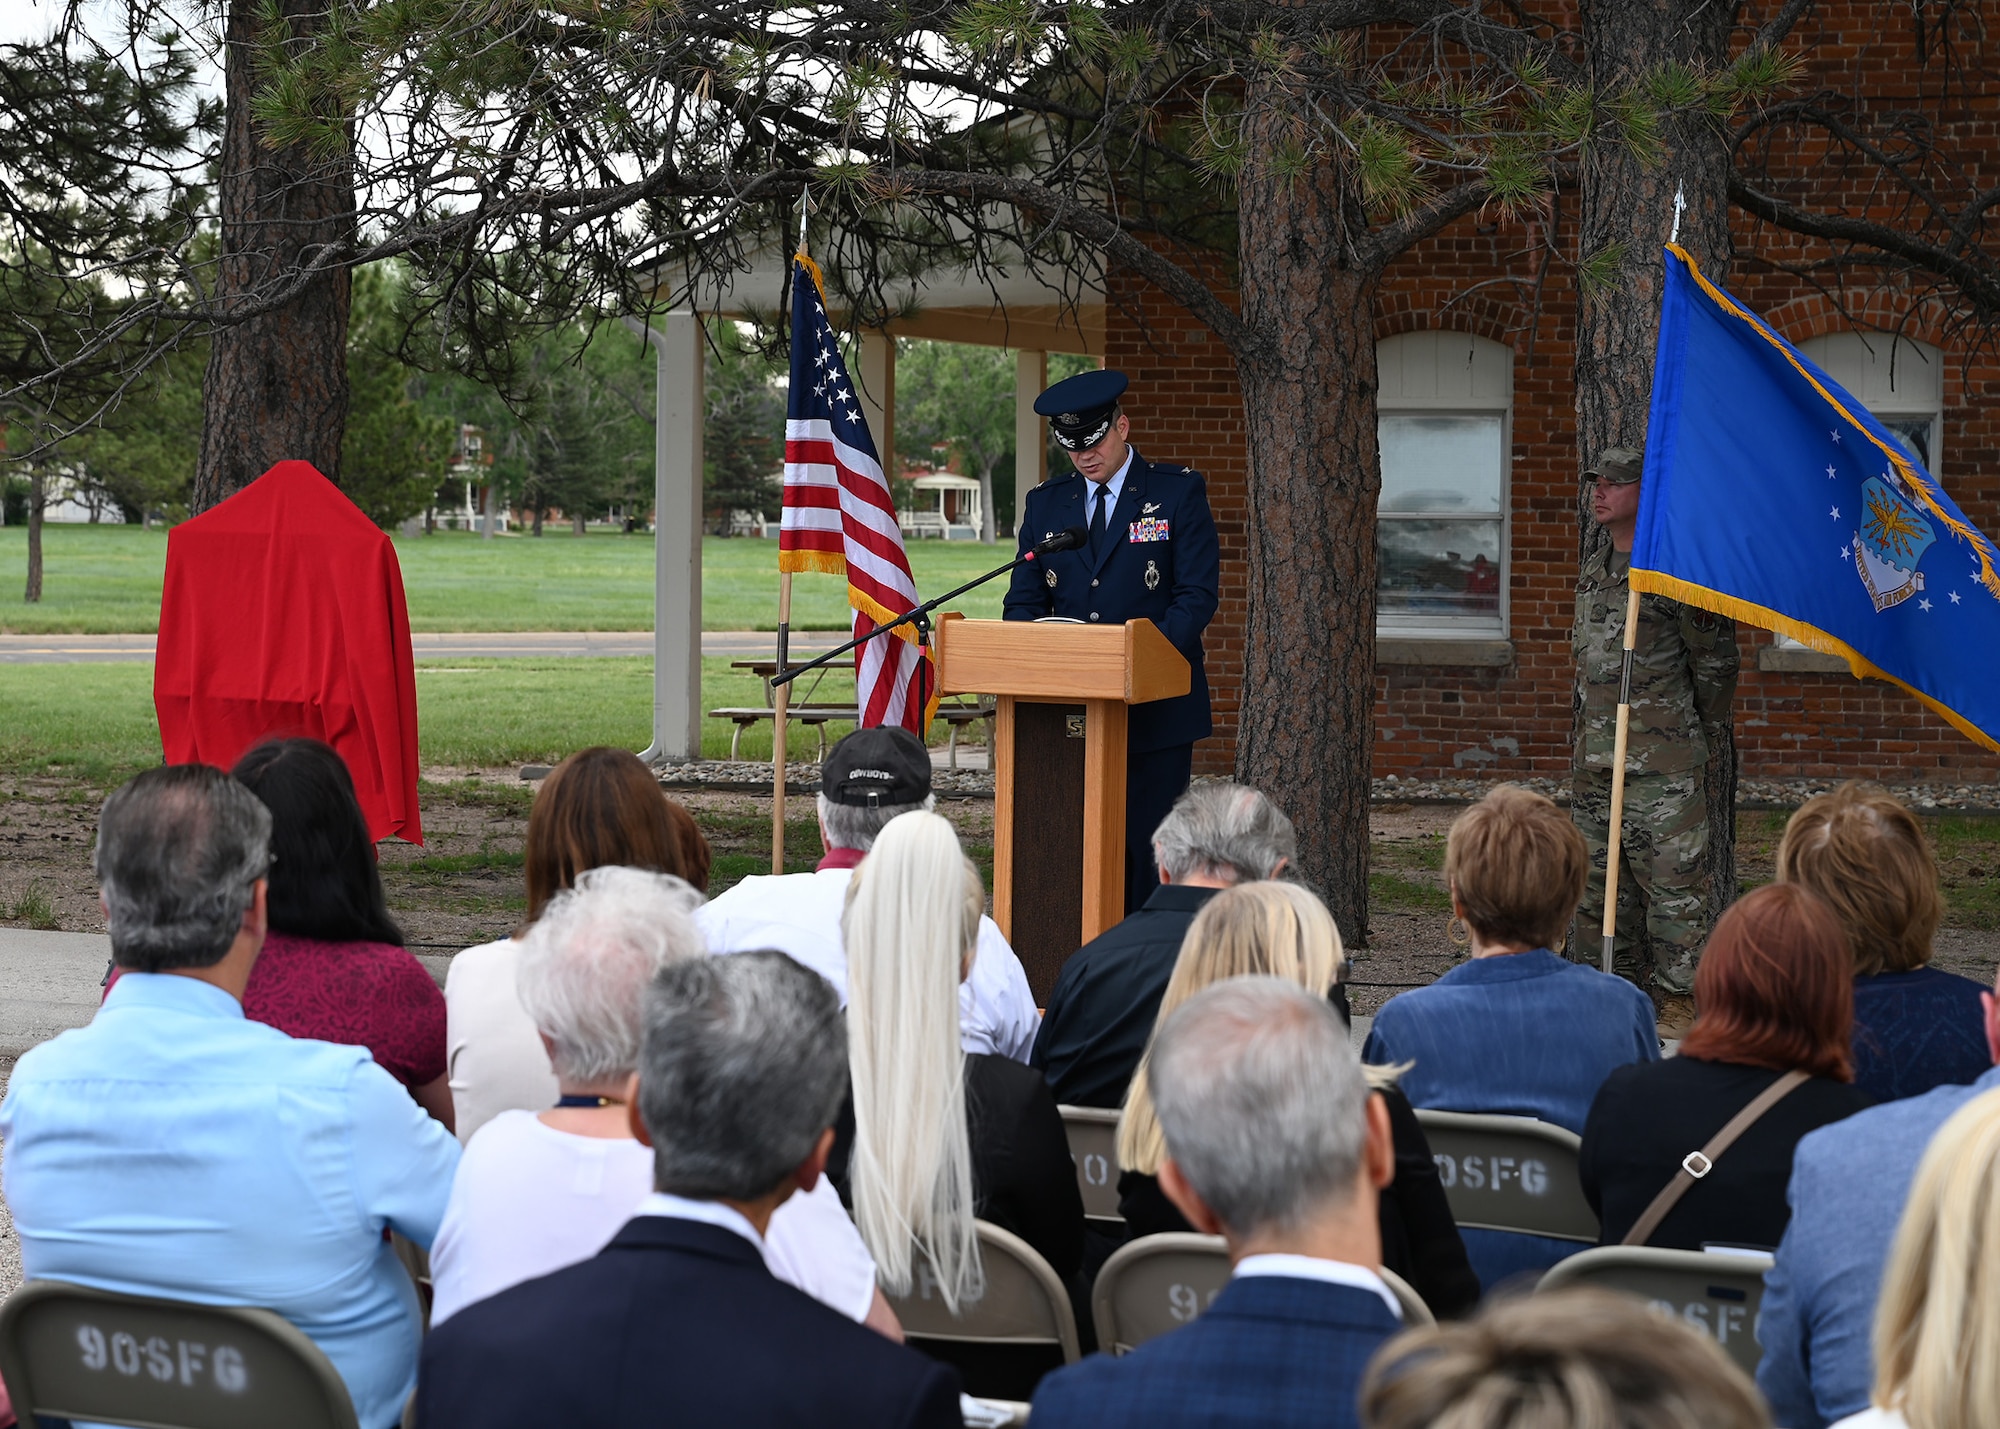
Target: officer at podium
[(1152, 555)]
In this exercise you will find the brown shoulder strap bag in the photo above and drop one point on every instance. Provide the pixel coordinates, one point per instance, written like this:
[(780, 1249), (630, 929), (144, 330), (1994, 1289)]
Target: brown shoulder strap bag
[(1697, 1164)]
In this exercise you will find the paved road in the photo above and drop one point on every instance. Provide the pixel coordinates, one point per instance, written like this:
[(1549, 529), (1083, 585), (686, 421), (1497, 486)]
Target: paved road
[(541, 644)]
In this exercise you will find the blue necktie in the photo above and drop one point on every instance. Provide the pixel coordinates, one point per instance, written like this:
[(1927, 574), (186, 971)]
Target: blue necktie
[(1097, 520)]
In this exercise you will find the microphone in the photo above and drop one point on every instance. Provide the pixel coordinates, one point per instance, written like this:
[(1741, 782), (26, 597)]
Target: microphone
[(1069, 539)]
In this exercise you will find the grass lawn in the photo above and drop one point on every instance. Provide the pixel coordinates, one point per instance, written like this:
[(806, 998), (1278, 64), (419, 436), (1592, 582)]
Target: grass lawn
[(106, 579), (95, 723)]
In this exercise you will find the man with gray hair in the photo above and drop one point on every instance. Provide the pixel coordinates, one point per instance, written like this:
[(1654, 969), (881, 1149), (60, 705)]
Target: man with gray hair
[(174, 1148), (1275, 1143), (1102, 1009), (742, 1071), (868, 779)]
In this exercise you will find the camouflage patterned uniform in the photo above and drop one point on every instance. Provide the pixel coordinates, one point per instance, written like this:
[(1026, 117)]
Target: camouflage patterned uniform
[(1683, 679)]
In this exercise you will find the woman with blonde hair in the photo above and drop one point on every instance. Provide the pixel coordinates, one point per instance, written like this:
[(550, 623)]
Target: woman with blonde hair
[(1283, 930), (938, 1136), (1915, 1026), (1937, 1324)]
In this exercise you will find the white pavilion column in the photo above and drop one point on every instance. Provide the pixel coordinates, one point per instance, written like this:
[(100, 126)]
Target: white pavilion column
[(878, 394), (1031, 448), (677, 461)]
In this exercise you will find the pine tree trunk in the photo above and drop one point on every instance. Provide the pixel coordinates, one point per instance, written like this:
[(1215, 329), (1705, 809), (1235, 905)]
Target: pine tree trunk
[(1628, 209), (277, 382), (1306, 731), (38, 499)]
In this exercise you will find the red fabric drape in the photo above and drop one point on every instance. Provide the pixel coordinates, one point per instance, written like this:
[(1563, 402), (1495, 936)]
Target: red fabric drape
[(283, 614)]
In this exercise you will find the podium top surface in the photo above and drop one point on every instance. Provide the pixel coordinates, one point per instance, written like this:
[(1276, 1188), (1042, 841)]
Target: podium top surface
[(1132, 663)]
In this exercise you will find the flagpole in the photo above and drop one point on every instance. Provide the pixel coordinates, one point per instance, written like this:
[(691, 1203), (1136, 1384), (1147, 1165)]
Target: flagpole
[(1617, 830), (782, 692)]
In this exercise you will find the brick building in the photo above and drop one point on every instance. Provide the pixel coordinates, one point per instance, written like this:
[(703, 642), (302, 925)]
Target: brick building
[(1478, 525)]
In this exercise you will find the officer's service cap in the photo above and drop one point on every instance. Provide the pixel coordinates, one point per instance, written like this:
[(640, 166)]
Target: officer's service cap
[(872, 767), (1617, 466), (1080, 408)]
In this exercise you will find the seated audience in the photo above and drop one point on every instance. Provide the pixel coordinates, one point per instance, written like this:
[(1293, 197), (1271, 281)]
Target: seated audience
[(1274, 1143), (597, 808), (938, 1135), (536, 1191), (1772, 998), (869, 778), (176, 1148), (1282, 930), (679, 1319), (1915, 1026), (1516, 1030), (1937, 1331), (333, 966), (1574, 1359), (1107, 999), (1849, 1185)]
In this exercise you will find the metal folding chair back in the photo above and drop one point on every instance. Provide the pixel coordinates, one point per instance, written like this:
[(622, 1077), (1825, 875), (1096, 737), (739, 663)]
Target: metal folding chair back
[(1093, 1146), (1156, 1284), (1510, 1173), (1023, 1301), (1715, 1293), (1415, 1311), (70, 1352)]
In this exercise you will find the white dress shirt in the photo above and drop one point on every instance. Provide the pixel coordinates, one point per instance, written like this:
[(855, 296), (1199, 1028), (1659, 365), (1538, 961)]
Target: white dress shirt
[(1114, 488), (1311, 1267), (799, 915), (529, 1199)]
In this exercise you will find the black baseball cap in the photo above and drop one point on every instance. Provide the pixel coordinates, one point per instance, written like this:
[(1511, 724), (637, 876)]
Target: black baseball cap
[(871, 767)]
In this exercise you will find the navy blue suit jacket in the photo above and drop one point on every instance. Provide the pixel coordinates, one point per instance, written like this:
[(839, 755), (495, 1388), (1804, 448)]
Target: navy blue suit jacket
[(1271, 1351), (1168, 572), (674, 1322)]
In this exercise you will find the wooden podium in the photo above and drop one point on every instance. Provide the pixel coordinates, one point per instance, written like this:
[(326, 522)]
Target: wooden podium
[(1058, 767)]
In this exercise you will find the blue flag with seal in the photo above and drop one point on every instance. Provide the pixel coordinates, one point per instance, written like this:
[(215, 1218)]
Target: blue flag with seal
[(1771, 495)]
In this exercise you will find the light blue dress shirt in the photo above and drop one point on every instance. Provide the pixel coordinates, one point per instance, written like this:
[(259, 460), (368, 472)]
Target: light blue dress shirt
[(175, 1148)]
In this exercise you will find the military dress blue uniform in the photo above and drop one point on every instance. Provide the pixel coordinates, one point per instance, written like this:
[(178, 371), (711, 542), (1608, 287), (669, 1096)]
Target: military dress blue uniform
[(1159, 562)]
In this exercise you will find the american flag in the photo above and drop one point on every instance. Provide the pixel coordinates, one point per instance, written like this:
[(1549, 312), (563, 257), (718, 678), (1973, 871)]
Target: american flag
[(840, 518)]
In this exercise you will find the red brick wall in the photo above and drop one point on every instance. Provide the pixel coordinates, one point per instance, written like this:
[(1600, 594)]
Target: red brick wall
[(1478, 276)]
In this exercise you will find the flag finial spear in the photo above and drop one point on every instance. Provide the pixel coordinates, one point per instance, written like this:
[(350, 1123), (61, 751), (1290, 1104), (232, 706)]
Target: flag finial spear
[(806, 208), (1680, 202)]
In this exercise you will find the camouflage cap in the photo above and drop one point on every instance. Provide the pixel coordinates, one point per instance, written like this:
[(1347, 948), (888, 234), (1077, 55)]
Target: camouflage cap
[(1619, 466)]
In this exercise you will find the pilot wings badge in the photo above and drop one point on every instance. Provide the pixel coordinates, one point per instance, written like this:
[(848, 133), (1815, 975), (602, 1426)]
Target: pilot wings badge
[(1891, 543)]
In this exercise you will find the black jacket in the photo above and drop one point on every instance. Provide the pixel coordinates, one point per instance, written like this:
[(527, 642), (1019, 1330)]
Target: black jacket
[(673, 1322), (1101, 1012), (1647, 1117), (1420, 1240), (1022, 1178)]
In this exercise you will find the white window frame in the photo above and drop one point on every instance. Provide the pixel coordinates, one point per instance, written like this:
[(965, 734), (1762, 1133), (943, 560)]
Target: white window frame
[(1434, 380)]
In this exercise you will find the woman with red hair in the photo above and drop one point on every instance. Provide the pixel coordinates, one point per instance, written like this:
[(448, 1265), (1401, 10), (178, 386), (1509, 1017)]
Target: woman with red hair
[(1774, 1003)]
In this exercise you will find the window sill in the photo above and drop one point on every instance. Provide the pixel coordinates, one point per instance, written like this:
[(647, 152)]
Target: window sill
[(1432, 653), (1798, 660)]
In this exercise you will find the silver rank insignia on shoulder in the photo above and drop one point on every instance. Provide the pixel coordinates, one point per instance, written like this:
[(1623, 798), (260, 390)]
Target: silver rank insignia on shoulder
[(1152, 575), (1050, 577)]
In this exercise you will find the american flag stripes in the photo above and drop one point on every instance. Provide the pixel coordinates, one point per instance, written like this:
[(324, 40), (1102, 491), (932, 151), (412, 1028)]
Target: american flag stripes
[(839, 516)]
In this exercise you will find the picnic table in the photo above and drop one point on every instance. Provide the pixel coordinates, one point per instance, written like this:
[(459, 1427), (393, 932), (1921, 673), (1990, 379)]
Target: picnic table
[(817, 714)]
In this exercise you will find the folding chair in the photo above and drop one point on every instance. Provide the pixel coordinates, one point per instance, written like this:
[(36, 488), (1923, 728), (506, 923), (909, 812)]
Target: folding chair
[(71, 1352), (1718, 1294), (1415, 1311), (1023, 1302), (1510, 1173), (1093, 1146), (1155, 1284)]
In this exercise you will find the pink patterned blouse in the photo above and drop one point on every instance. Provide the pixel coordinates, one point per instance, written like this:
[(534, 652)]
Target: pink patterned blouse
[(368, 995)]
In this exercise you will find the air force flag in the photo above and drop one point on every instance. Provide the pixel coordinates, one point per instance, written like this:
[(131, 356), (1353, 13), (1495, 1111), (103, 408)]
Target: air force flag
[(1771, 495)]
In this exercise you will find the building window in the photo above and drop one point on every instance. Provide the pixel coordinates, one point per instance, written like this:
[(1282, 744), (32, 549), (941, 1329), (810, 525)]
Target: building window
[(1898, 379), (1441, 531)]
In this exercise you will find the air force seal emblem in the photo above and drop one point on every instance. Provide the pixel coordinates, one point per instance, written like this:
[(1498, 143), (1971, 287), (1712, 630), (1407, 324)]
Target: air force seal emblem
[(1152, 575), (1891, 543)]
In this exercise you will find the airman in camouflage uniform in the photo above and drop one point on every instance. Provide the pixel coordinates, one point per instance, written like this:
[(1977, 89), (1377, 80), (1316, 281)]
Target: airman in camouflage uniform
[(1684, 666)]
